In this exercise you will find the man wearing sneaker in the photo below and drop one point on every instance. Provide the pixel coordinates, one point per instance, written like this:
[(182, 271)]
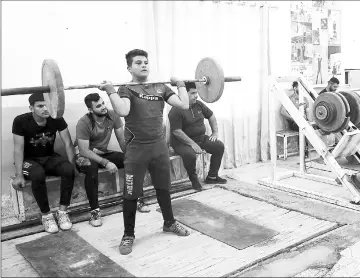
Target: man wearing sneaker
[(93, 133), (34, 157), (142, 106), (188, 137)]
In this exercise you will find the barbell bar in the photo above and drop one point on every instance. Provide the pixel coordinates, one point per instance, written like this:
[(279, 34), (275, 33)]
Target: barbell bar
[(46, 89), (209, 80)]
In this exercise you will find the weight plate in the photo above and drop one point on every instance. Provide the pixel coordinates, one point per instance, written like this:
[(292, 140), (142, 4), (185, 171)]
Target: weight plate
[(354, 102), (214, 88), (329, 112), (347, 113), (55, 100)]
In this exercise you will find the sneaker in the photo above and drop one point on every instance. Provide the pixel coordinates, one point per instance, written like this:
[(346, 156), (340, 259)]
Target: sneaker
[(49, 223), (126, 244), (216, 179), (196, 185), (176, 228), (95, 218), (142, 207), (63, 220)]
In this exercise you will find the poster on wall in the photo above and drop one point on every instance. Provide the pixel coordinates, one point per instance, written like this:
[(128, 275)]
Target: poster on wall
[(320, 44), (334, 27), (301, 39), (316, 41), (334, 49)]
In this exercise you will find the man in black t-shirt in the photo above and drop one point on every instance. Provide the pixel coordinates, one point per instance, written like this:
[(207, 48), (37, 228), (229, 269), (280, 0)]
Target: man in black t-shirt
[(332, 86), (34, 137), (188, 137)]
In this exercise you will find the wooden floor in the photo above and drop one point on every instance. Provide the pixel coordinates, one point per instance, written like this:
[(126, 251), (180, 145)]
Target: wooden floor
[(158, 254), (335, 194)]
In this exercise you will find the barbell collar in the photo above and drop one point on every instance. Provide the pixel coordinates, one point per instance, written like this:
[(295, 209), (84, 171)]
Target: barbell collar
[(232, 78)]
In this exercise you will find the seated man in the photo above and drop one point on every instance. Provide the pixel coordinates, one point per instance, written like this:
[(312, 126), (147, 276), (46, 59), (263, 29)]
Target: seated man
[(93, 133), (188, 137), (294, 97), (34, 137), (332, 86)]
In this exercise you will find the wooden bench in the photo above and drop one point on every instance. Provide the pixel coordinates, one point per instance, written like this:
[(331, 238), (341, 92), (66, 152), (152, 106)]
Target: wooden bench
[(110, 187)]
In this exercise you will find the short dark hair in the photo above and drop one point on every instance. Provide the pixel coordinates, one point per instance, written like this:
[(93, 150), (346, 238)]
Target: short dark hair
[(190, 85), (295, 84), (90, 98), (35, 97), (135, 52), (334, 80)]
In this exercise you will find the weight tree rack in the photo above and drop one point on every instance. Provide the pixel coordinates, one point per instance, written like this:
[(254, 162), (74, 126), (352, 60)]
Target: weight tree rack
[(349, 144)]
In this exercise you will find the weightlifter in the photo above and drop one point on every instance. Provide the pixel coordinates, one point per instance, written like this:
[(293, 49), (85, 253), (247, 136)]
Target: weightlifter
[(142, 106), (34, 157), (332, 86), (93, 133), (188, 137)]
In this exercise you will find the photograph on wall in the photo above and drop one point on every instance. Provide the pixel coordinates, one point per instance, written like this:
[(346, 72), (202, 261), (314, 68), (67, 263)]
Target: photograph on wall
[(316, 24), (300, 11), (334, 27), (320, 46), (324, 24), (320, 64), (335, 65), (318, 5), (334, 44)]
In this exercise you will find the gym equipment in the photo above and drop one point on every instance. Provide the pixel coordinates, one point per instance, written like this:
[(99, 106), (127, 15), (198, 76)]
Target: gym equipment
[(332, 113), (209, 79)]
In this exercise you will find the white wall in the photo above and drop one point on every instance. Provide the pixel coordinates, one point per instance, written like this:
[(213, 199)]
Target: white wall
[(88, 40), (350, 39)]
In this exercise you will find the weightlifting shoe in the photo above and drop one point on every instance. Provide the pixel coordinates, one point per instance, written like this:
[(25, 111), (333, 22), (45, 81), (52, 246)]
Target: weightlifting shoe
[(95, 218), (176, 228), (214, 180), (126, 244), (49, 223), (63, 220)]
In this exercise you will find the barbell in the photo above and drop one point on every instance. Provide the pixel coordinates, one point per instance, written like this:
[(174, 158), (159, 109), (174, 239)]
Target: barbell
[(209, 80)]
